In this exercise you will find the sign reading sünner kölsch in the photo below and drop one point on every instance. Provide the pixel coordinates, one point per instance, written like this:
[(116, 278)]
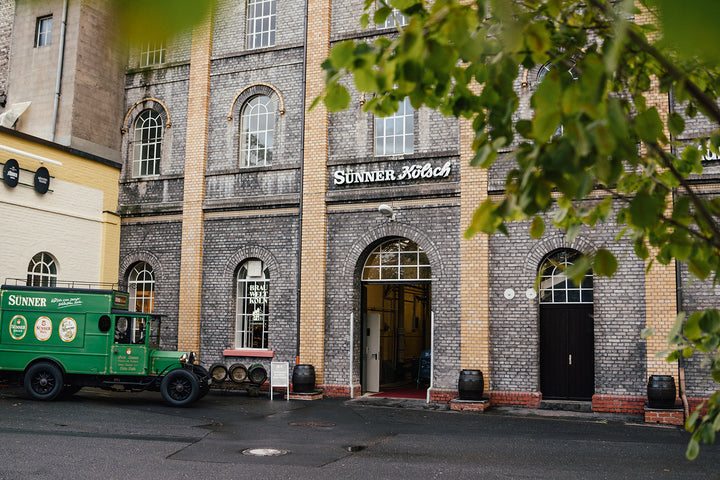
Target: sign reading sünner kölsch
[(413, 171)]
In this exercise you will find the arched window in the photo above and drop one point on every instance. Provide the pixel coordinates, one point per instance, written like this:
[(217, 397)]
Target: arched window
[(252, 295), (147, 140), (42, 271), (141, 283), (257, 129), (397, 260), (556, 287), (394, 135)]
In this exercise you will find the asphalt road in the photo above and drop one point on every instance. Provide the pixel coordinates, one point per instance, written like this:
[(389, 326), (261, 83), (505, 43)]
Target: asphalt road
[(107, 435)]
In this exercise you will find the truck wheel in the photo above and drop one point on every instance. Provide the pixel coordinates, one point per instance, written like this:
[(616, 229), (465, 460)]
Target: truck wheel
[(180, 388), (43, 381)]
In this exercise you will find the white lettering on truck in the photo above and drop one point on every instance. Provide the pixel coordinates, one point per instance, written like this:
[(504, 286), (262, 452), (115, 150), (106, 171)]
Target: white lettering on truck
[(20, 301)]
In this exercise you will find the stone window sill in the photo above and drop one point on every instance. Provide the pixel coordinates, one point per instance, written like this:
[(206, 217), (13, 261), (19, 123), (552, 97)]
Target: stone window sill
[(249, 352)]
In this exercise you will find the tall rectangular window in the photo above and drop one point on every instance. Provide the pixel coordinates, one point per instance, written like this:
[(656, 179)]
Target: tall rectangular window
[(43, 30), (153, 53), (261, 24), (396, 15), (394, 135)]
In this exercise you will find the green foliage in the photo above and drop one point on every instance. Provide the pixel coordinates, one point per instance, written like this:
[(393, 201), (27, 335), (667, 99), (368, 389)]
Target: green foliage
[(594, 139)]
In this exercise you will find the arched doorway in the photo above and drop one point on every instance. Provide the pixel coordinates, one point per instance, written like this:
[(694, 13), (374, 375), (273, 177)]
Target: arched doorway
[(396, 292), (567, 359)]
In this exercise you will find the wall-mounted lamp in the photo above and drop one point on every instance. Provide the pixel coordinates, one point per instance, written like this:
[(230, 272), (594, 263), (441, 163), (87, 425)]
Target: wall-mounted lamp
[(388, 211)]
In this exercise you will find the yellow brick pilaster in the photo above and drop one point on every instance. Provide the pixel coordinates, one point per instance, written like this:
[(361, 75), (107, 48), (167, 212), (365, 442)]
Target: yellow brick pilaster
[(474, 264), (314, 212), (194, 193)]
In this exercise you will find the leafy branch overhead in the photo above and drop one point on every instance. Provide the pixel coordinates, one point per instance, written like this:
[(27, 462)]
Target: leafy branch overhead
[(596, 146)]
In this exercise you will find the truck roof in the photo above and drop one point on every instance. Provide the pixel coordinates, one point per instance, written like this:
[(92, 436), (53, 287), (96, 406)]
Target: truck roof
[(59, 289)]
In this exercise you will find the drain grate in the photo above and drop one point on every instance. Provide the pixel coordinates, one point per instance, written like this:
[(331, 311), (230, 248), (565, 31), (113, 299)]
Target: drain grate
[(311, 424), (264, 452)]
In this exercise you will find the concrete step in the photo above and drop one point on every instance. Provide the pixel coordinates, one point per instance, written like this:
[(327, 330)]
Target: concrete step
[(567, 405)]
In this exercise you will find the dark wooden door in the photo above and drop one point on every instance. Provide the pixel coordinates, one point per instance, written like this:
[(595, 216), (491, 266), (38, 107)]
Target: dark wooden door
[(567, 352)]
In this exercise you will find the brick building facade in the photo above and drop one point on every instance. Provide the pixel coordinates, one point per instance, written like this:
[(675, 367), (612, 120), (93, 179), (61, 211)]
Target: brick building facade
[(261, 238)]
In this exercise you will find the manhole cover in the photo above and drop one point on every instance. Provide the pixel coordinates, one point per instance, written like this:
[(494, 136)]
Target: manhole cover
[(264, 452), (312, 424)]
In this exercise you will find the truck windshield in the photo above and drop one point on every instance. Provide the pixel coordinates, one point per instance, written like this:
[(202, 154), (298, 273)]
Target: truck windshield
[(154, 332), (130, 330)]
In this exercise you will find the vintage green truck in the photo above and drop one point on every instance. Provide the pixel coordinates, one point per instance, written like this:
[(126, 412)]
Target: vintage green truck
[(57, 340)]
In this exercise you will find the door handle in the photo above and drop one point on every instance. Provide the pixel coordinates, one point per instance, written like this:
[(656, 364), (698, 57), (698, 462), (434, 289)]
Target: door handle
[(570, 359)]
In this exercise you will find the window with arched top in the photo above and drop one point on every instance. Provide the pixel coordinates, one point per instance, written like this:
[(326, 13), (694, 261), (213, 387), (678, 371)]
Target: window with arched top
[(252, 305), (141, 284), (146, 144), (42, 271), (397, 260), (257, 131), (556, 287)]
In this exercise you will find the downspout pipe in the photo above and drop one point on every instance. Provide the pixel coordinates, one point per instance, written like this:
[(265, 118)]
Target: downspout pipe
[(678, 284), (58, 80)]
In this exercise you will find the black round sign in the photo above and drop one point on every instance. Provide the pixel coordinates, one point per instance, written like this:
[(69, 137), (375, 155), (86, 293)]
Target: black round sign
[(42, 180), (11, 173)]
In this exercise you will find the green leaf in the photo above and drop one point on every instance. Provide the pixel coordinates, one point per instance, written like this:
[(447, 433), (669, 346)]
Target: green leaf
[(537, 228), (676, 124), (693, 449), (692, 326), (649, 126), (647, 332), (336, 97), (644, 210), (342, 54), (604, 263)]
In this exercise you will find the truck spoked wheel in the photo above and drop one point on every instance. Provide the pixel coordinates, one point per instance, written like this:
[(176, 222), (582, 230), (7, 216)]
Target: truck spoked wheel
[(180, 388), (43, 381)]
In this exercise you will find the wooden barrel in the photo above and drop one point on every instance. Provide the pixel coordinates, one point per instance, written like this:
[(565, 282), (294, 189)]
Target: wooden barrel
[(661, 391), (471, 385), (257, 373), (303, 379), (238, 373)]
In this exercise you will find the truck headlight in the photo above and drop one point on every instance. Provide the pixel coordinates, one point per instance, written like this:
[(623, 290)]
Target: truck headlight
[(188, 357)]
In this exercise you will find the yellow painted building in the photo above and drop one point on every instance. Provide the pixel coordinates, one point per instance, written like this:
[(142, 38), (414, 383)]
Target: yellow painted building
[(70, 232)]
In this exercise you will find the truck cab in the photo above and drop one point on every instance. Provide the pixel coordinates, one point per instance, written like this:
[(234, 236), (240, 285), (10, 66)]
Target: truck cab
[(60, 339)]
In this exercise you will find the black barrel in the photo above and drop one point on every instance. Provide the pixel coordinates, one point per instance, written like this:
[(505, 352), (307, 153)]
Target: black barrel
[(661, 391), (303, 379), (471, 385), (257, 373)]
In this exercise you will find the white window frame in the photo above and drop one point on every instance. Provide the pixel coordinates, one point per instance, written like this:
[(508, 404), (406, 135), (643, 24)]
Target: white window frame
[(141, 286), (152, 53), (252, 291), (261, 23), (390, 20), (257, 132), (42, 270), (43, 31), (395, 134), (147, 144), (397, 260), (556, 287)]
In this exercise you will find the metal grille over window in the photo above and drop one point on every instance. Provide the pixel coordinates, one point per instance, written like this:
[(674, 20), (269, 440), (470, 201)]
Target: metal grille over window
[(141, 283), (257, 131), (261, 24), (42, 271), (397, 260), (146, 144), (394, 135), (253, 285), (556, 287), (153, 53)]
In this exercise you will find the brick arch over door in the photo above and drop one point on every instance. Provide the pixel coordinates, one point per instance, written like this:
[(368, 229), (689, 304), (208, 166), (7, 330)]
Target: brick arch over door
[(142, 256), (364, 244), (540, 250)]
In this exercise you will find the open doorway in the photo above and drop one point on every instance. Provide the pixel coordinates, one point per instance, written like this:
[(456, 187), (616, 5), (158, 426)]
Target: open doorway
[(396, 320)]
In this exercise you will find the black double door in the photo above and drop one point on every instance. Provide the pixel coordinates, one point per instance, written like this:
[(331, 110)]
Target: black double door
[(567, 352)]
